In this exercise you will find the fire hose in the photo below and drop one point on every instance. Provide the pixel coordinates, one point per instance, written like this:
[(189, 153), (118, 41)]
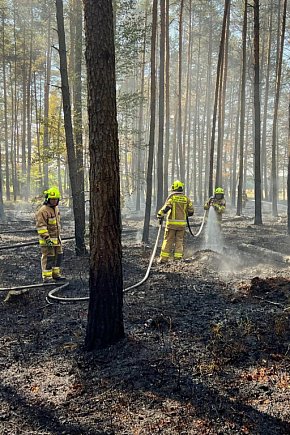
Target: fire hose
[(201, 227), (51, 294)]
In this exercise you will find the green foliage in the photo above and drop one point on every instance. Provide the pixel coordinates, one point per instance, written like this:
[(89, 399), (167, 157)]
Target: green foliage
[(129, 36)]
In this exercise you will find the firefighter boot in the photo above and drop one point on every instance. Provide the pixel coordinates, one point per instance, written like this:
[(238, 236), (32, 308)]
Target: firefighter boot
[(56, 275), (47, 276)]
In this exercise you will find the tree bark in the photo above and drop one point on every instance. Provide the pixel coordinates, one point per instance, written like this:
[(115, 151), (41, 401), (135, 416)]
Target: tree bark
[(145, 236), (217, 90), (265, 110), (167, 98), (275, 118), (257, 115), (243, 109), (78, 131), (179, 125), (46, 104), (7, 171), (160, 174), (105, 315), (76, 187)]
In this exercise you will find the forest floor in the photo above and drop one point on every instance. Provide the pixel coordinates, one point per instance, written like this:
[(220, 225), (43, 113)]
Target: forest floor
[(207, 346)]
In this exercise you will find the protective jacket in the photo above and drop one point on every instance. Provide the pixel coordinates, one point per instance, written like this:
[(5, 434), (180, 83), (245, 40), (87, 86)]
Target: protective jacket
[(218, 204), (179, 207), (48, 224)]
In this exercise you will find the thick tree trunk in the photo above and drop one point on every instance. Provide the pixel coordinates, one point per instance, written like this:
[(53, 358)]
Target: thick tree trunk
[(105, 316)]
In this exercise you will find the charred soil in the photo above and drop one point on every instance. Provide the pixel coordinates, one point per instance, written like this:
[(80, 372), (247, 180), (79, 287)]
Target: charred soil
[(206, 349)]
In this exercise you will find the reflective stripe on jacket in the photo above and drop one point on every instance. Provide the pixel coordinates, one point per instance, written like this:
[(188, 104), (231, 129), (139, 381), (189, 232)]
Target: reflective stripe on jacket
[(218, 204), (180, 206), (48, 224)]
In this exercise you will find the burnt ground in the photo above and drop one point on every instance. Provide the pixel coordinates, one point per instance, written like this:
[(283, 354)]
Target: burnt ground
[(206, 351)]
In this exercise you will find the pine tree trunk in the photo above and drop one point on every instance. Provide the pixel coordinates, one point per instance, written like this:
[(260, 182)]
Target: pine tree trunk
[(160, 174), (167, 98), (179, 125), (145, 236), (37, 124), (76, 187), (257, 110), (223, 87), (265, 110), (46, 104), (140, 152), (79, 194), (288, 175), (7, 170), (275, 118), (29, 111), (243, 109), (217, 91), (105, 317)]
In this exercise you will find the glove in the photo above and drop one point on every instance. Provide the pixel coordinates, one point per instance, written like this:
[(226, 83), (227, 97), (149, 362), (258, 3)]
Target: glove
[(49, 243), (160, 216)]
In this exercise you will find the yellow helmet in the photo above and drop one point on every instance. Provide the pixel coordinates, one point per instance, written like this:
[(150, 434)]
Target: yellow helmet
[(52, 193), (177, 185), (219, 190)]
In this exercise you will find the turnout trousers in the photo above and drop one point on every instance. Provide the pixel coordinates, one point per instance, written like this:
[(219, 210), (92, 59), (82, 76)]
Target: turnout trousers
[(51, 260), (173, 242)]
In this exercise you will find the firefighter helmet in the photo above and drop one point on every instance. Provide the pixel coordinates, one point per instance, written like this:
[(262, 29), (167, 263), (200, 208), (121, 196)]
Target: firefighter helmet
[(177, 185), (52, 193), (219, 190)]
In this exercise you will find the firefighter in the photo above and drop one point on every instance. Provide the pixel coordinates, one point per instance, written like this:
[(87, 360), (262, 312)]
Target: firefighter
[(179, 207), (48, 228), (218, 202)]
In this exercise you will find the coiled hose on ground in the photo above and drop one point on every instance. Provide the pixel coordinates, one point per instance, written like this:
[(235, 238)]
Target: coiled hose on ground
[(51, 296)]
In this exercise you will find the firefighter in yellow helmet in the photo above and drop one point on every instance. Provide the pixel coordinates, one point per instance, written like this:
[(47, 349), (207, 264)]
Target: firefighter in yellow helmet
[(48, 228), (179, 207), (218, 202)]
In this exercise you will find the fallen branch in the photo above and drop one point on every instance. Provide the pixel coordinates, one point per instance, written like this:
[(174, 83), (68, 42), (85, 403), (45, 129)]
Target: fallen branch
[(23, 245), (16, 291), (269, 302), (41, 284)]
